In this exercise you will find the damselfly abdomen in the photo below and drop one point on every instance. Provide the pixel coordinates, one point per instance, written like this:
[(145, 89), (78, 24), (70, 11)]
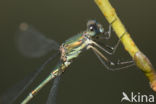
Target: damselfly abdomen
[(33, 44)]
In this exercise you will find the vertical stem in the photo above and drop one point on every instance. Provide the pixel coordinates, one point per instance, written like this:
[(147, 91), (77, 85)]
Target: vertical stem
[(141, 60)]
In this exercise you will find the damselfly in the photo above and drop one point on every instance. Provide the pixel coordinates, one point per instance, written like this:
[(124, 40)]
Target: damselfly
[(69, 50)]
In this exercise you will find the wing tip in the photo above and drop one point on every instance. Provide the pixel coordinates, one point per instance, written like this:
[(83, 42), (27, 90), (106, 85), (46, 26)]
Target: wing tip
[(23, 26)]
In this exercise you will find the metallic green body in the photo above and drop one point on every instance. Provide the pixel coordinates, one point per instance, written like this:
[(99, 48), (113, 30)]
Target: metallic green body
[(73, 39), (75, 45), (70, 50)]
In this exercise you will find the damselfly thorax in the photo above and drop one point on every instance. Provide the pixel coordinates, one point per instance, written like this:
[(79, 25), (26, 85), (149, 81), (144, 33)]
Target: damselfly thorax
[(70, 50), (33, 44)]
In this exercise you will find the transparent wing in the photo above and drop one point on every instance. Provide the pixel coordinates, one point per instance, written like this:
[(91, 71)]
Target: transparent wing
[(32, 43), (13, 93), (53, 91)]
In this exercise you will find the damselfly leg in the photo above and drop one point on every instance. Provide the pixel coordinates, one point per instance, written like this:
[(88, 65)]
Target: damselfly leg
[(109, 64), (104, 60), (32, 43), (113, 48)]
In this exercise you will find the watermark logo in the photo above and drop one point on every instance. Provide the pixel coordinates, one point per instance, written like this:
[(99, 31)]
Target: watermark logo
[(137, 97)]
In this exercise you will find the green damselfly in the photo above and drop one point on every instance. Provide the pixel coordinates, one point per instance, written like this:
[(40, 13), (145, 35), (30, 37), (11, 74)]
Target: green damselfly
[(69, 50)]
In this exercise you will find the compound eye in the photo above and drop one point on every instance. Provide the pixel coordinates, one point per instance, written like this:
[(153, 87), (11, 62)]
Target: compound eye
[(92, 28)]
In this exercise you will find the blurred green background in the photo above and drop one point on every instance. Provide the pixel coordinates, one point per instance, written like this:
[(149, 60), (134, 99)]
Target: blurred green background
[(86, 81)]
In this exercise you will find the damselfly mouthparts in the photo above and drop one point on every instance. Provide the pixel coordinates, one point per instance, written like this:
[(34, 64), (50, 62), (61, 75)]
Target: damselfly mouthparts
[(38, 45)]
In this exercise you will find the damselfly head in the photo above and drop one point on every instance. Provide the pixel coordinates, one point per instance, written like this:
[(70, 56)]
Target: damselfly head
[(94, 28)]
